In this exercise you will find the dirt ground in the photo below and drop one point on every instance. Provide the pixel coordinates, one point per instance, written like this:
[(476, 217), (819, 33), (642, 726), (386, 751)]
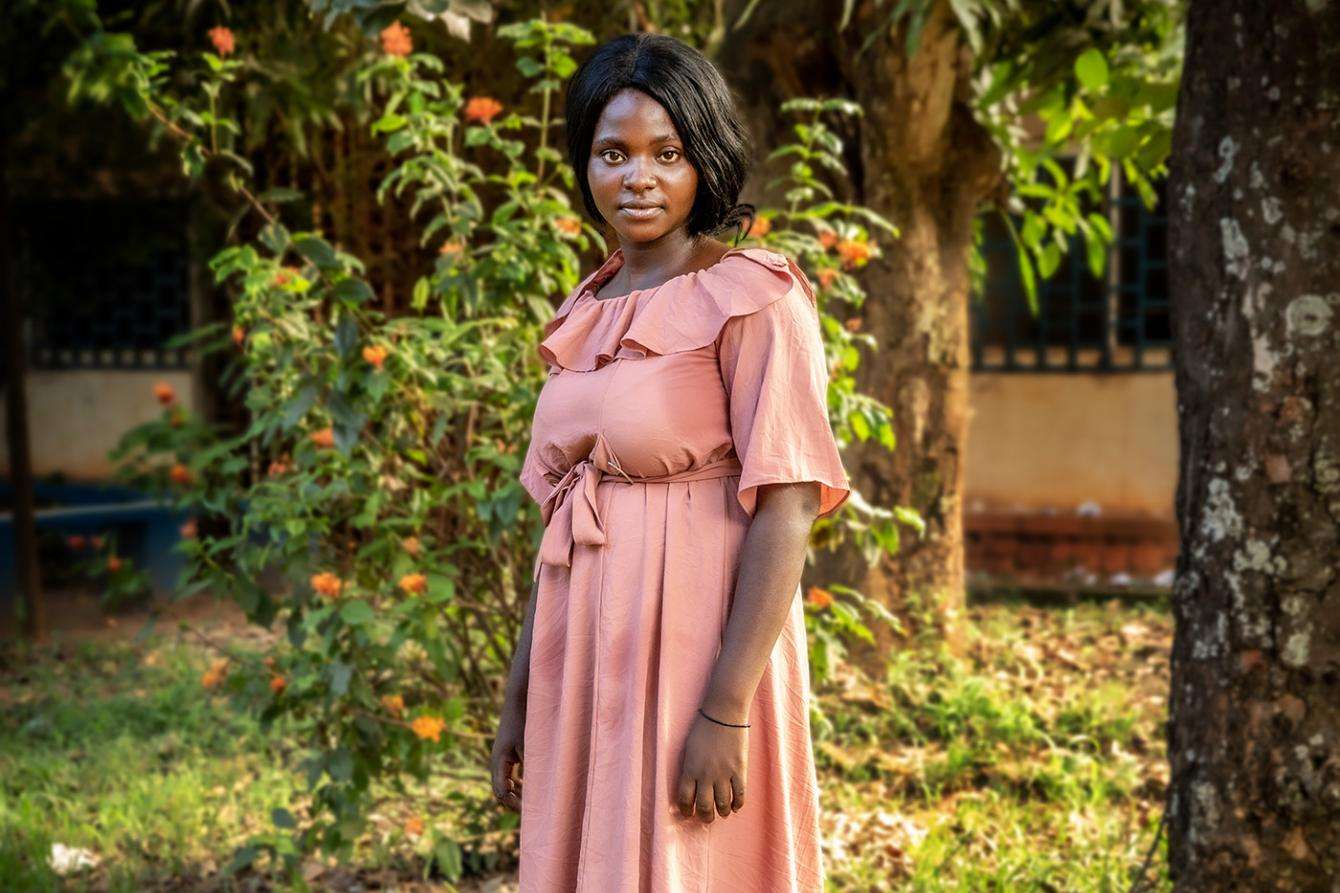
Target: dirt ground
[(77, 616)]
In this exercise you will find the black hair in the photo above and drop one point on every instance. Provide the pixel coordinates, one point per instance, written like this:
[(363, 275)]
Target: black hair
[(698, 101)]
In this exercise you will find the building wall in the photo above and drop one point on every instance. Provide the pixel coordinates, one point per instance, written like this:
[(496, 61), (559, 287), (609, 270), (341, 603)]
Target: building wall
[(1060, 440), (76, 417), (1034, 441)]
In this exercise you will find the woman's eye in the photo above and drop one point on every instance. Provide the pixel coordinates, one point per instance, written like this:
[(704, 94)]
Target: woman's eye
[(607, 153), (673, 152)]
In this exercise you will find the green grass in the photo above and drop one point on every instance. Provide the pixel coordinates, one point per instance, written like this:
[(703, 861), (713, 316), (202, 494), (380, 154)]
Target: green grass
[(102, 750), (1035, 762)]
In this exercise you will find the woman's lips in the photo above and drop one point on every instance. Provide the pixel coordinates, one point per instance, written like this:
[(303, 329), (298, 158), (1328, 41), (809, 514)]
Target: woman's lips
[(641, 213)]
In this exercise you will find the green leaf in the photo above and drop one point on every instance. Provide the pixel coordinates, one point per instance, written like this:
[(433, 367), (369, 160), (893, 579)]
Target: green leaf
[(275, 237), (447, 855), (356, 613), (346, 336), (352, 290), (388, 124), (340, 674), (910, 518), (283, 818), (340, 764), (296, 408), (1049, 261), (317, 250), (1091, 69), (886, 436)]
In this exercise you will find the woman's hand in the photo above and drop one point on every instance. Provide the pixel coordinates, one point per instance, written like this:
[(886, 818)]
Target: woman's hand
[(712, 774), (508, 747)]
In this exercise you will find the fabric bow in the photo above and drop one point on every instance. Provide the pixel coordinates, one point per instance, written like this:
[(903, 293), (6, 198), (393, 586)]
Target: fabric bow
[(570, 511)]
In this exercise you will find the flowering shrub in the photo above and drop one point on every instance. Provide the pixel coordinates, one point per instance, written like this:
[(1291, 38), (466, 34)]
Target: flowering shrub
[(99, 559), (371, 508)]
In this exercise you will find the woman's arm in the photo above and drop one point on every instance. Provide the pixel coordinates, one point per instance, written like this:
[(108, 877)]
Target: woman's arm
[(714, 769), (509, 742), (518, 676), (772, 560)]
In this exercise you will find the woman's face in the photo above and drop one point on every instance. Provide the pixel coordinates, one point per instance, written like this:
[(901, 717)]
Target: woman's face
[(637, 159)]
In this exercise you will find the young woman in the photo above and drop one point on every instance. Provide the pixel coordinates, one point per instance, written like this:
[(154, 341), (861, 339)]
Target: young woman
[(680, 452)]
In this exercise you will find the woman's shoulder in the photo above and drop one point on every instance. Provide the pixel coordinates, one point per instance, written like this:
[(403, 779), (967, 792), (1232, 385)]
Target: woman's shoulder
[(753, 277)]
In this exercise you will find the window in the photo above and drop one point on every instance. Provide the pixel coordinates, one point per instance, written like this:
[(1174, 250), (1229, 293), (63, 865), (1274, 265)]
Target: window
[(107, 281), (1119, 323)]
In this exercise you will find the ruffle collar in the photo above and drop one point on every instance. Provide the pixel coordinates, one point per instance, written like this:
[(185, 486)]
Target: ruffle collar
[(685, 312)]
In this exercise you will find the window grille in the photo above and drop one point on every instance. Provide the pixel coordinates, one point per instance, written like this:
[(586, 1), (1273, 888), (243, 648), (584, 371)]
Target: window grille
[(1084, 324), (107, 281)]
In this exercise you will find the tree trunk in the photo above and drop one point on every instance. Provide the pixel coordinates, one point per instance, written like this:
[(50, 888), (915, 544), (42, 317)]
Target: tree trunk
[(1254, 237), (16, 417), (919, 158)]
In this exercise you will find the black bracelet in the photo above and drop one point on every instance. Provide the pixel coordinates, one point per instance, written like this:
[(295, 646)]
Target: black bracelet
[(737, 725)]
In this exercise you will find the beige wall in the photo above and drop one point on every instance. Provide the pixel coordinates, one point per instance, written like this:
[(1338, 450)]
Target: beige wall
[(75, 418), (1035, 440), (1062, 439)]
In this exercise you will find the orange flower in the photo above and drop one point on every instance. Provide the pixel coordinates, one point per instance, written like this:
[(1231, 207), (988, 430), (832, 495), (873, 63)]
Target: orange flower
[(394, 704), (269, 662), (327, 584), (96, 542), (828, 238), (452, 246), (165, 393), (569, 226), (819, 598), (283, 276), (239, 335), (413, 826), (428, 727), (414, 584), (113, 564), (396, 40), (324, 438), (222, 38), (759, 227), (215, 674), (179, 474), (482, 108), (375, 354), (411, 545), (853, 253), (826, 276), (853, 324), (278, 466), (278, 684), (189, 530), (75, 542)]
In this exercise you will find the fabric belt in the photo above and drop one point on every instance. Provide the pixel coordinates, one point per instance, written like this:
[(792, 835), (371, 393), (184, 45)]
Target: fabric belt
[(570, 510)]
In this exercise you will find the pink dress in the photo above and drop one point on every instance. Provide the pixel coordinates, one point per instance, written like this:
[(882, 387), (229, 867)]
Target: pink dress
[(664, 410)]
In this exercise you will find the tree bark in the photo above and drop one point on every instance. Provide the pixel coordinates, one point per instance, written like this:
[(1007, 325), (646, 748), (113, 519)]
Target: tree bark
[(1254, 240), (918, 157)]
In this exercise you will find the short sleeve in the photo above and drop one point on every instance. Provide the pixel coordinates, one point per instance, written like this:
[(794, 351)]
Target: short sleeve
[(776, 378), (532, 474)]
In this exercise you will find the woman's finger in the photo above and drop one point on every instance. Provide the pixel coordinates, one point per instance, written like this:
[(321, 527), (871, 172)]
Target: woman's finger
[(503, 788), (512, 799), (706, 808), (737, 786), (685, 794), (723, 793)]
